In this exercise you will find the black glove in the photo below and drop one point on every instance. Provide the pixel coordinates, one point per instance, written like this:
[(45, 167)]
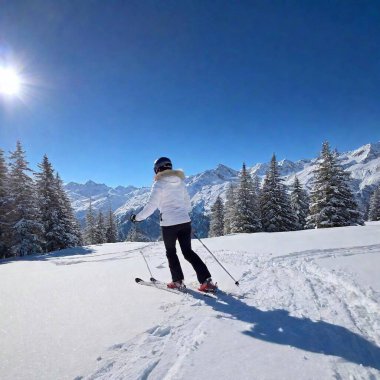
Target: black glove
[(132, 218)]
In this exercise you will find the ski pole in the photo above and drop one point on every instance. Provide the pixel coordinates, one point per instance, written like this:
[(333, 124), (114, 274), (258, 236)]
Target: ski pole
[(147, 265), (146, 262), (236, 282)]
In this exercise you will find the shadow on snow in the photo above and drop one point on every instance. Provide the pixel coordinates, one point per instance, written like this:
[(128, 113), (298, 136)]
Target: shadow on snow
[(277, 326)]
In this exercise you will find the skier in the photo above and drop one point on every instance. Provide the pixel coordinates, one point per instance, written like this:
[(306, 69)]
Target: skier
[(170, 196)]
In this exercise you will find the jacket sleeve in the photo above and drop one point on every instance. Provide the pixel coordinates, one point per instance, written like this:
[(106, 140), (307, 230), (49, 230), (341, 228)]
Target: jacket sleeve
[(152, 205), (186, 199)]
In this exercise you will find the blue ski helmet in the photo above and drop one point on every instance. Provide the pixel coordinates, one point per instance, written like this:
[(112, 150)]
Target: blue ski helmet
[(161, 164)]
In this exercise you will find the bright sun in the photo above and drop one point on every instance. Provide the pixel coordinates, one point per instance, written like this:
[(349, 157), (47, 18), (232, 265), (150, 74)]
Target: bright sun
[(10, 82)]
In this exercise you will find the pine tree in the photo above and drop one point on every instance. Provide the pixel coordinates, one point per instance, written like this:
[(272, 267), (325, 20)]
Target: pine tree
[(332, 201), (257, 192), (90, 231), (256, 185), (51, 216), (111, 228), (216, 222), (355, 217), (374, 205), (26, 230), (4, 208), (246, 210), (229, 209), (300, 204), (276, 212), (100, 229), (72, 232)]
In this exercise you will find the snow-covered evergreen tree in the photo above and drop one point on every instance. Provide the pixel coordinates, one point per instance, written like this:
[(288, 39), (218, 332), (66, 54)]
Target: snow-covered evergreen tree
[(49, 207), (276, 212), (300, 204), (374, 205), (332, 201), (73, 235), (246, 210), (229, 209), (61, 230), (355, 216), (257, 194), (256, 185), (111, 228), (26, 230), (4, 208), (100, 229), (217, 218), (90, 230)]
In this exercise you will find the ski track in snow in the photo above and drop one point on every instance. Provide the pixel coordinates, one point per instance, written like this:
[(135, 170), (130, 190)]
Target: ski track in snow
[(293, 283), (159, 352), (328, 253), (94, 258)]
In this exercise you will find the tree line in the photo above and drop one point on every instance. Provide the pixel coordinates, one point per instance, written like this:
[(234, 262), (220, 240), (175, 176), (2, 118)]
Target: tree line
[(100, 228), (272, 207), (374, 205), (36, 215)]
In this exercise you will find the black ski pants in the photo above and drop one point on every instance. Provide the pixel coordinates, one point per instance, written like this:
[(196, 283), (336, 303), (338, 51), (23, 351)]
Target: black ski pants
[(182, 233)]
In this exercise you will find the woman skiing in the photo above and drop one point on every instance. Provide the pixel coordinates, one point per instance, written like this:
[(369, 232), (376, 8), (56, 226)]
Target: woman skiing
[(170, 196)]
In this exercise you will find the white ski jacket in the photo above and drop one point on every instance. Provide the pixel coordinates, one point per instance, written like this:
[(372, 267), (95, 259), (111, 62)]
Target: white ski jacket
[(170, 196)]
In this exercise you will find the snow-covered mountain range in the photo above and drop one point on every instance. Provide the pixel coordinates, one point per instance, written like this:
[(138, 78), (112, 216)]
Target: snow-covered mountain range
[(363, 164)]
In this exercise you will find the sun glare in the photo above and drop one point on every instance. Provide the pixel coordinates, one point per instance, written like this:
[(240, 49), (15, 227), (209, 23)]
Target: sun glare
[(10, 82)]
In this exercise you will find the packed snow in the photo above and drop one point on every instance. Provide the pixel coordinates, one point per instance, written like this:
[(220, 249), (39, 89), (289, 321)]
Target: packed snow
[(307, 308)]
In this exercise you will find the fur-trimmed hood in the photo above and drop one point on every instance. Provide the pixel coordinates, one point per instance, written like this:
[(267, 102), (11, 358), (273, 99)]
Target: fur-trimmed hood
[(167, 173)]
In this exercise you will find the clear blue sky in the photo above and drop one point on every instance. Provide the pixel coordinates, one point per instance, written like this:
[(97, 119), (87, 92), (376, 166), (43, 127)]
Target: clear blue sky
[(112, 85)]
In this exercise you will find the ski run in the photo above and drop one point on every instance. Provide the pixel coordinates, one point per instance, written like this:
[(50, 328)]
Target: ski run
[(307, 308)]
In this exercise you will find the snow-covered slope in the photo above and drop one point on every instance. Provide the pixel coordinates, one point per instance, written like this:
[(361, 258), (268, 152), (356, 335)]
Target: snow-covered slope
[(310, 311), (363, 164)]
